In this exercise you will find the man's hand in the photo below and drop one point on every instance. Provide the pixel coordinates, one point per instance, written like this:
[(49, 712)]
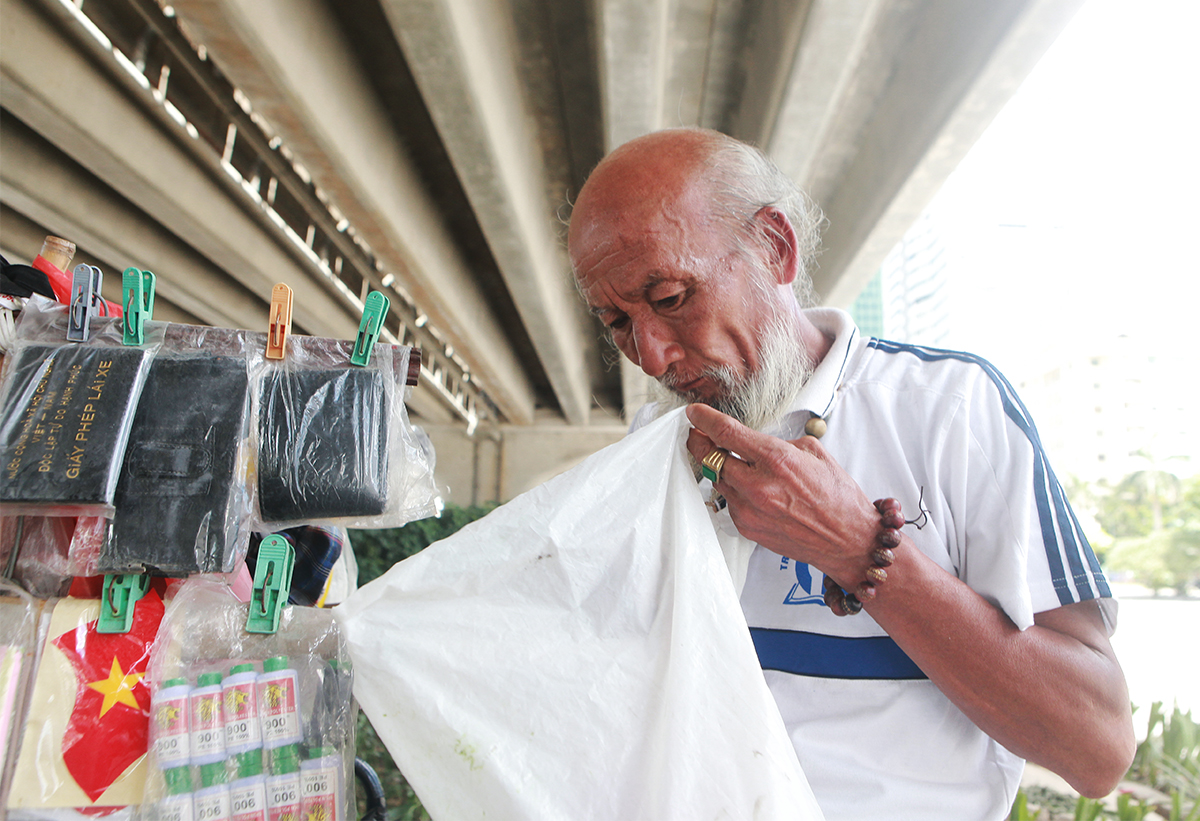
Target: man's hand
[(1053, 693), (790, 496)]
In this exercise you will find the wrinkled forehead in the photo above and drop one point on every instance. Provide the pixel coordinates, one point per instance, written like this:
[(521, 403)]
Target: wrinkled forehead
[(622, 253), (640, 219)]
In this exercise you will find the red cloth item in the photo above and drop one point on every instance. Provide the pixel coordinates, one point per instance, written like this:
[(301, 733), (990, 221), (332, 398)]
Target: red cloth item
[(109, 727), (87, 729)]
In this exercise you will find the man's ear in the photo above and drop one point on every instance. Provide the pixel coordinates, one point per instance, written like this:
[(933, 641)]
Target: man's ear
[(780, 243)]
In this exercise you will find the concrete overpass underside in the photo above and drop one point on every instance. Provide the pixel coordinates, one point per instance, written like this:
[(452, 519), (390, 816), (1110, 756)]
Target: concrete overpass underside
[(431, 148)]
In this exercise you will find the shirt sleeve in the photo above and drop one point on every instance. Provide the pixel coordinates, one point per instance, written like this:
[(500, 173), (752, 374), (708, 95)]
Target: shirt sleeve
[(1024, 549)]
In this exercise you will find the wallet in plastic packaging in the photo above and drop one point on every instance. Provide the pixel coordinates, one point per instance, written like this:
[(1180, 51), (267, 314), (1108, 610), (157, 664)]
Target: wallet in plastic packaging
[(578, 653), (182, 503), (38, 553), (65, 412), (334, 443), (83, 747), (249, 725), (18, 636)]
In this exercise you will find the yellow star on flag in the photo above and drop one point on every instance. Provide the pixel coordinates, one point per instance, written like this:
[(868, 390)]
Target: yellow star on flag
[(118, 687)]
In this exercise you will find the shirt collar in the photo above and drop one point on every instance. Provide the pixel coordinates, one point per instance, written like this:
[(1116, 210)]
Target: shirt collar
[(817, 395)]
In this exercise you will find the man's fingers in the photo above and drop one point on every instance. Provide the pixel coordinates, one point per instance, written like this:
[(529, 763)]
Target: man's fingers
[(726, 432)]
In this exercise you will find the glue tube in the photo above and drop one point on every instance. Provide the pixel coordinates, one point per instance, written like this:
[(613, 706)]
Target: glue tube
[(283, 785), (248, 794), (207, 718), (243, 728), (212, 800), (279, 704), (243, 743), (321, 784), (279, 708), (172, 745)]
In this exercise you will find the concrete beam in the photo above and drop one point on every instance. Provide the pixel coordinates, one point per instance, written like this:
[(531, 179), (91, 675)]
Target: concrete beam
[(53, 87), (765, 57), (633, 38), (290, 60), (826, 61), (43, 184), (950, 68), (45, 187), (463, 55)]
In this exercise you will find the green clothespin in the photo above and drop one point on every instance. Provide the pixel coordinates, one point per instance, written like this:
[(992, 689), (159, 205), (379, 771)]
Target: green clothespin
[(272, 582), (374, 310), (120, 594), (137, 287)]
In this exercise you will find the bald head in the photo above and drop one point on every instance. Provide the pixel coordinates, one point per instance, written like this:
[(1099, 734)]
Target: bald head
[(643, 176), (704, 176), (682, 248)]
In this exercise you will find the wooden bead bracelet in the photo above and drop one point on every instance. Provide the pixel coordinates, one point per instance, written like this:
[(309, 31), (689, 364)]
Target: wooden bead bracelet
[(847, 604)]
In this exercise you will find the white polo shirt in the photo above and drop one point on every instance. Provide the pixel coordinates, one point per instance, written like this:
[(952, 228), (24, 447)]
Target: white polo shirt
[(876, 739)]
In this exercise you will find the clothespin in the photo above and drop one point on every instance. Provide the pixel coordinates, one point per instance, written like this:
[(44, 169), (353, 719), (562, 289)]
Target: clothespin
[(120, 594), (137, 289), (280, 323), (85, 291), (272, 583), (374, 311)]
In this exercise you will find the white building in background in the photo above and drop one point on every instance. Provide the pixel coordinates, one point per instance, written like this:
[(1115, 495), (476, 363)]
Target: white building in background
[(1107, 401), (1116, 407), (913, 294)]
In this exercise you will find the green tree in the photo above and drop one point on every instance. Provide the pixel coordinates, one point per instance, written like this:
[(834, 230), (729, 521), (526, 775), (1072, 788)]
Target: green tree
[(1155, 519), (1139, 503)]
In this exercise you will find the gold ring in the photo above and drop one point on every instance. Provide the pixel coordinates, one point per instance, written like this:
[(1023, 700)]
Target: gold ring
[(710, 465)]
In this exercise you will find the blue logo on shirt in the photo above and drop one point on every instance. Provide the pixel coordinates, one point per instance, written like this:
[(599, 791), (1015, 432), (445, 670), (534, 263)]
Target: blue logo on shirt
[(809, 587)]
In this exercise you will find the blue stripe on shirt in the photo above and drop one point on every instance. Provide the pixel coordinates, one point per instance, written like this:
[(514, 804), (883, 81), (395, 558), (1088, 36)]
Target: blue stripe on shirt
[(1058, 522), (820, 656)]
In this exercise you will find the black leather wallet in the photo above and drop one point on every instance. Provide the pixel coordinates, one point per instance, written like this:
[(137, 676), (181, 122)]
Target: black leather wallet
[(323, 445), (65, 421), (175, 496)]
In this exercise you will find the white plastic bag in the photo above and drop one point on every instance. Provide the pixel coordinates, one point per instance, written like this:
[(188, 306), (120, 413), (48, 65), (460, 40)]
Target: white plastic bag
[(579, 653)]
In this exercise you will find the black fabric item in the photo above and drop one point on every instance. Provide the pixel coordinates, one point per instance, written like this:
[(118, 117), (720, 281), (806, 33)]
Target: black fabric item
[(175, 492), (23, 280), (65, 420), (323, 443)]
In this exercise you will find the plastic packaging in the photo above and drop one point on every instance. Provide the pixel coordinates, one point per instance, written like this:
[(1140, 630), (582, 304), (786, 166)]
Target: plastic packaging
[(578, 653), (87, 727), (18, 636), (38, 553), (334, 444), (66, 410), (182, 502), (203, 641)]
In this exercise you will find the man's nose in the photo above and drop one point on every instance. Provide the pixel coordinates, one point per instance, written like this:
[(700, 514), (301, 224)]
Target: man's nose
[(655, 348)]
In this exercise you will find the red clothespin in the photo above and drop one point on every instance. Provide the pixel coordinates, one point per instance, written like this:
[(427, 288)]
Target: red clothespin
[(280, 323)]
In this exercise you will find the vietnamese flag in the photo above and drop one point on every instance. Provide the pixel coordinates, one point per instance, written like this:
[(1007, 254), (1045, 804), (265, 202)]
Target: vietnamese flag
[(110, 725), (89, 711)]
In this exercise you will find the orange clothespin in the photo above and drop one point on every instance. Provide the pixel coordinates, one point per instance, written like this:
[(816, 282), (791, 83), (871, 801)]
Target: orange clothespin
[(280, 324)]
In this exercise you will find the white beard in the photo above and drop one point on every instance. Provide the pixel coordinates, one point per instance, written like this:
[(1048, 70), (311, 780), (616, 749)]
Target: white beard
[(759, 399)]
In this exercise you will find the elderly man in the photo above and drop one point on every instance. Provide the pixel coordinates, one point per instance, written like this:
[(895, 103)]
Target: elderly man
[(984, 633)]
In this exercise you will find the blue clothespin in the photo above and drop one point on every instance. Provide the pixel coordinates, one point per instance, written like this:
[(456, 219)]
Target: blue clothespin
[(120, 594), (374, 310), (272, 583), (85, 291), (137, 288)]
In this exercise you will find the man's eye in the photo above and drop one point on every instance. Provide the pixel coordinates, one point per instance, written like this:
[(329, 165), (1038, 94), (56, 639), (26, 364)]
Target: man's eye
[(617, 324), (668, 302)]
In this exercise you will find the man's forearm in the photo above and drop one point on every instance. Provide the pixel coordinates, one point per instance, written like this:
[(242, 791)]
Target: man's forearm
[(1053, 694)]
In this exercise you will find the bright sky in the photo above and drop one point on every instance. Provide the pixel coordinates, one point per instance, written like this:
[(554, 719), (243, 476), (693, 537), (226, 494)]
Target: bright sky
[(1096, 157)]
